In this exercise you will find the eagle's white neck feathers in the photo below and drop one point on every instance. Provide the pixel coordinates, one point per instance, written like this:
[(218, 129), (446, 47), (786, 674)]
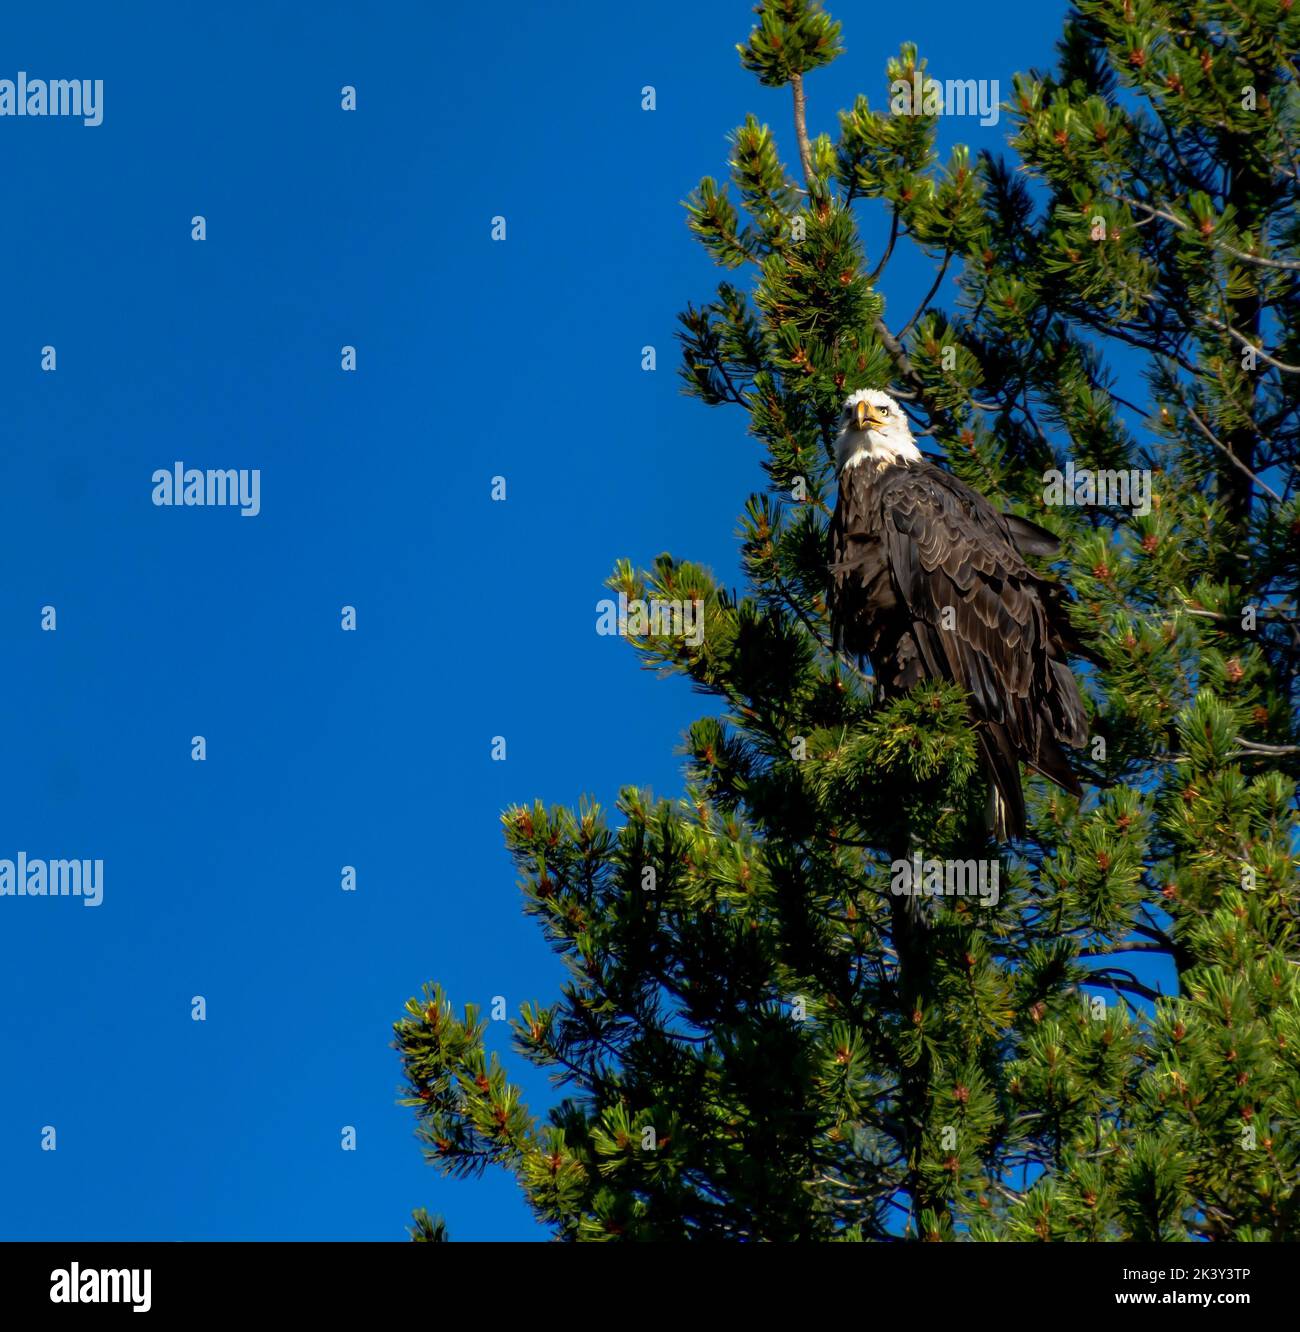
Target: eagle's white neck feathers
[(876, 434)]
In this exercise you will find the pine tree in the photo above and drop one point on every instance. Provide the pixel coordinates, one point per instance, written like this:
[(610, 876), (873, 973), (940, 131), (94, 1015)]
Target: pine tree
[(752, 1044)]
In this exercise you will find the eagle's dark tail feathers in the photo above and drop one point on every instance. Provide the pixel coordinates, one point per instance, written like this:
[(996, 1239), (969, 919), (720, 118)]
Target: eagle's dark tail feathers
[(1005, 812)]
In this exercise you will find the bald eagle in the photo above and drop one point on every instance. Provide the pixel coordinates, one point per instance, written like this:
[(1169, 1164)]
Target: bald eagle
[(929, 581)]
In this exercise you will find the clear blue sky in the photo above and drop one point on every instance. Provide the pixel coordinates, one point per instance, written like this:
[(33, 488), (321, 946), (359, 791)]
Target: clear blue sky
[(475, 619)]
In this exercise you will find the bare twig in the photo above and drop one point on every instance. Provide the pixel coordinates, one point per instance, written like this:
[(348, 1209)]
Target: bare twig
[(889, 247), (1122, 982), (1254, 747), (1127, 946), (1227, 452), (1246, 342), (929, 295), (801, 128)]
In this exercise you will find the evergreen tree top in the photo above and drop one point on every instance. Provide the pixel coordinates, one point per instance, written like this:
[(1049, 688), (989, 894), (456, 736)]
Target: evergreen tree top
[(752, 1043)]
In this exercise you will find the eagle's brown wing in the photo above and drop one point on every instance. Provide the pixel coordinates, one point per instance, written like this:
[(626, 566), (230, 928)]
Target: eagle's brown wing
[(981, 616), (914, 547), (861, 590)]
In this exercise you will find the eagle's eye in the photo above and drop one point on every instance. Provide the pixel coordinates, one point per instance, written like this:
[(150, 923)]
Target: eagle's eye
[(884, 411)]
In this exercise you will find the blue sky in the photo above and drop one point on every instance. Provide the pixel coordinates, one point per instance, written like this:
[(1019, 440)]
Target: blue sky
[(475, 619)]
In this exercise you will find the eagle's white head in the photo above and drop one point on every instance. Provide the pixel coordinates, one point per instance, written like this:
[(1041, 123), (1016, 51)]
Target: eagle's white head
[(873, 428)]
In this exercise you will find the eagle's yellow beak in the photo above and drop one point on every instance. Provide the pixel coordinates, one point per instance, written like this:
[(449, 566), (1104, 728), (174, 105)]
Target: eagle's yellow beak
[(864, 416)]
